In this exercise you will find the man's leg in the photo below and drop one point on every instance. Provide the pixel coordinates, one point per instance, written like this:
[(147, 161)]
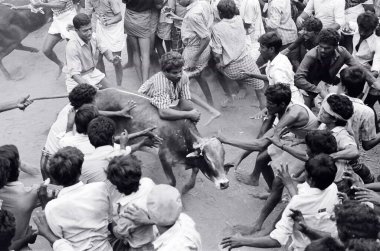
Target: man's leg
[(118, 69), (204, 87), (226, 88), (270, 204), (100, 65), (136, 56), (105, 83), (129, 64), (49, 43), (144, 46), (261, 166), (198, 101), (159, 46)]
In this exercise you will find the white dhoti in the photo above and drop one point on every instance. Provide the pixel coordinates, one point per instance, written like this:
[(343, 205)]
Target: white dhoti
[(111, 36), (93, 78), (60, 23), (278, 156)]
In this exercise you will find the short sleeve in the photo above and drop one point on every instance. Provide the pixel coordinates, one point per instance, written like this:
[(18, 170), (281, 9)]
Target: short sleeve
[(344, 139), (89, 8), (115, 6), (376, 56), (216, 44), (309, 8), (160, 99), (339, 12), (368, 128), (199, 26)]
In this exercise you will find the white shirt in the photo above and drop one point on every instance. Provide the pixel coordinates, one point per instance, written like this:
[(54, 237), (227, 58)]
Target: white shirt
[(316, 206), (77, 140), (250, 11), (280, 70), (369, 50), (80, 215), (62, 245), (182, 236), (57, 130), (125, 229), (328, 11)]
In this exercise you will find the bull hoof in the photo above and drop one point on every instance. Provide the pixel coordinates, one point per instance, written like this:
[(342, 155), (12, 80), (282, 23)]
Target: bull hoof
[(246, 179)]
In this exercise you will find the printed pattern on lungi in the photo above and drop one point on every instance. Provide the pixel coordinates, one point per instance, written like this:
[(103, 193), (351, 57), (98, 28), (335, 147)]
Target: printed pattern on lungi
[(202, 62)]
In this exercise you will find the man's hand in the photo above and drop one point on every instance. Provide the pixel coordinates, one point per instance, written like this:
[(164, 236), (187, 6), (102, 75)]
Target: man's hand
[(299, 22), (31, 235), (366, 195), (137, 215), (233, 242), (194, 115), (124, 137), (284, 175), (116, 59), (275, 139), (152, 141), (43, 228), (43, 194), (353, 178), (125, 111), (260, 115), (24, 102), (299, 221)]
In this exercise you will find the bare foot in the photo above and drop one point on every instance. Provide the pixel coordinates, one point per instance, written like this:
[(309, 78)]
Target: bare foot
[(129, 64), (33, 50), (228, 102), (246, 230), (260, 195), (212, 118), (246, 179), (242, 93)]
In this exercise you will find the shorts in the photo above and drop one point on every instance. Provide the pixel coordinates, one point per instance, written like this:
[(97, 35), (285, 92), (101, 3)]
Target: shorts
[(188, 54), (112, 36), (93, 78), (60, 23)]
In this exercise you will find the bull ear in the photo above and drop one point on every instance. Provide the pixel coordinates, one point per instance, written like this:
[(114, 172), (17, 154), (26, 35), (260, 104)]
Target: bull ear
[(193, 154), (227, 167)]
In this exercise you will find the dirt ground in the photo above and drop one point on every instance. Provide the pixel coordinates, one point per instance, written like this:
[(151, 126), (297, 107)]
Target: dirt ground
[(214, 211)]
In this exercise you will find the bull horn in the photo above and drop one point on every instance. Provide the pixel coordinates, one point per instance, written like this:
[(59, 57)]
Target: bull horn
[(193, 154)]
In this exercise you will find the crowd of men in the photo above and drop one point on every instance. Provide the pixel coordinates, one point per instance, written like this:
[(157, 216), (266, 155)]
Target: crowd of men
[(314, 67)]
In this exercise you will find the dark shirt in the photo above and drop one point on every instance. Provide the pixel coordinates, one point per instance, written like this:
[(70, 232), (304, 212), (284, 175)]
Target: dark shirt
[(313, 69), (139, 5)]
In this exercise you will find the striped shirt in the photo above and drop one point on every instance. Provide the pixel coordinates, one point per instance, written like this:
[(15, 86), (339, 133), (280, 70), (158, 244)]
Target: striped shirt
[(162, 92), (68, 7), (280, 20)]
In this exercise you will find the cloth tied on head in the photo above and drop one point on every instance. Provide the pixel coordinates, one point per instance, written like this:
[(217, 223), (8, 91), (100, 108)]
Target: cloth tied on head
[(164, 205), (326, 107)]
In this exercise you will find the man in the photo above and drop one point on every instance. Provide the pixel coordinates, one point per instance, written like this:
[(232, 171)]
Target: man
[(81, 212), (82, 53), (316, 199), (298, 119), (196, 36), (331, 13), (169, 85), (363, 120), (109, 30), (322, 64), (21, 104)]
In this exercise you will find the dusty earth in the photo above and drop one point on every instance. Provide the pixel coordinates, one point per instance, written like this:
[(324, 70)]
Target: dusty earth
[(214, 211)]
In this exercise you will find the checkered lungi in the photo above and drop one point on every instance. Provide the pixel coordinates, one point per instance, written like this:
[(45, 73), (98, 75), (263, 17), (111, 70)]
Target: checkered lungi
[(235, 71), (119, 245), (177, 44), (189, 53)]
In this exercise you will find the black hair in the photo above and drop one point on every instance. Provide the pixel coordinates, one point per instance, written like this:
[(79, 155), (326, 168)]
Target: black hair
[(271, 39), (83, 117), (80, 20), (227, 9), (353, 78), (321, 141), (171, 60), (82, 94), (10, 152), (325, 244), (321, 168), (7, 228), (279, 93), (363, 245), (125, 173), (368, 21), (100, 131), (5, 166), (65, 166), (356, 220), (342, 106), (329, 36), (312, 24)]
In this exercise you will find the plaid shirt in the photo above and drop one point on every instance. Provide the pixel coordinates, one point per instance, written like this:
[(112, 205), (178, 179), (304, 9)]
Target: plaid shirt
[(280, 20), (162, 92), (68, 7)]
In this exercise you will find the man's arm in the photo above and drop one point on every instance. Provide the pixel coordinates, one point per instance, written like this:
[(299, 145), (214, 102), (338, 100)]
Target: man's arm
[(252, 145), (339, 14), (300, 78), (274, 18), (258, 242), (369, 144), (349, 153), (53, 4), (203, 33), (21, 104), (307, 12)]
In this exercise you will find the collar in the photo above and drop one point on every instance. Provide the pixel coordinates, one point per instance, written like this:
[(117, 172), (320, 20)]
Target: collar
[(103, 149), (168, 235), (355, 100), (78, 39), (125, 199), (337, 129), (69, 189), (14, 183), (275, 59), (305, 188)]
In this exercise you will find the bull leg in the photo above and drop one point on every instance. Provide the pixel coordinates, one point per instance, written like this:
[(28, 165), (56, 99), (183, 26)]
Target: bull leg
[(167, 166), (191, 183), (22, 47), (4, 52), (5, 71)]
